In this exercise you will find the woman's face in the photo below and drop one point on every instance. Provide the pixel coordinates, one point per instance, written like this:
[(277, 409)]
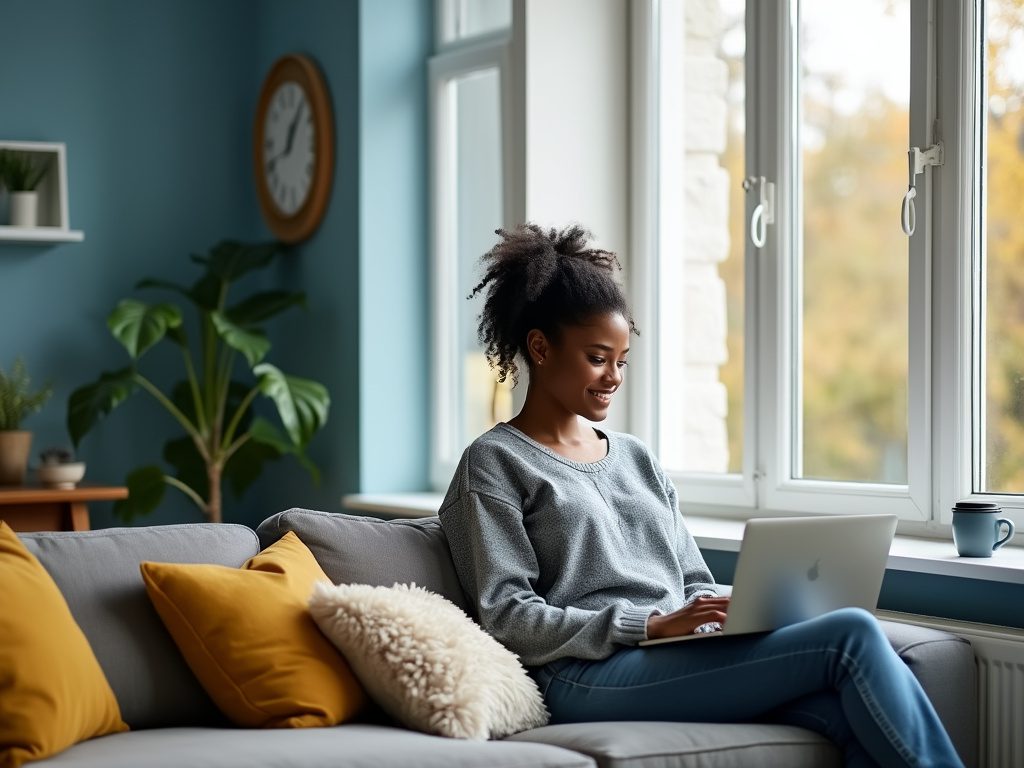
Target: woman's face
[(584, 368)]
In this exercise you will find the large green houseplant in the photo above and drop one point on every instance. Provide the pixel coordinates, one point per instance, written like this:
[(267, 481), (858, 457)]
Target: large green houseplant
[(223, 376)]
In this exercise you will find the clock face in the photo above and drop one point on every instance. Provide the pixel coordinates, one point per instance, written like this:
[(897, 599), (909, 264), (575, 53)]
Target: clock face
[(293, 148), (289, 147)]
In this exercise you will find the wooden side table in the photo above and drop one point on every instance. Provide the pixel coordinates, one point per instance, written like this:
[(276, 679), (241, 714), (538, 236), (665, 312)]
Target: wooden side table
[(35, 508)]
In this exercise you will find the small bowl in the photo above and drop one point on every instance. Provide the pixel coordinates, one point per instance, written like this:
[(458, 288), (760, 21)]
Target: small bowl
[(61, 475)]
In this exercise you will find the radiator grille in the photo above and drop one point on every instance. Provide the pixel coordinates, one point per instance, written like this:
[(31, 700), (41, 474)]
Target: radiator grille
[(1000, 702)]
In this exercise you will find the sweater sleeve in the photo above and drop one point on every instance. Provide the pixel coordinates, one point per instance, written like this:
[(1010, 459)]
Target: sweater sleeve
[(498, 569), (697, 578)]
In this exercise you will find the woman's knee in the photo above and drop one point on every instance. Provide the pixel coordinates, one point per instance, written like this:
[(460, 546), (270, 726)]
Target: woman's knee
[(855, 623)]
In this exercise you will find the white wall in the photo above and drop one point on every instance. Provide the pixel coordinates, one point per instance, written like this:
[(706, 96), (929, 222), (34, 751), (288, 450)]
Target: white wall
[(574, 101)]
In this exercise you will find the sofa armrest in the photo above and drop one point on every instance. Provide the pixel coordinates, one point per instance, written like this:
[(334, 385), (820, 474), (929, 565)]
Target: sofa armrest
[(945, 666)]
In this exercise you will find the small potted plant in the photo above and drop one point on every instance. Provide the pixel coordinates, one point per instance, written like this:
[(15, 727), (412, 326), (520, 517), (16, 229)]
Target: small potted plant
[(20, 173), (58, 468), (17, 400)]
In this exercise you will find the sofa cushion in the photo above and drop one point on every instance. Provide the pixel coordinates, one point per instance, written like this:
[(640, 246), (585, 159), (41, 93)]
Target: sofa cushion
[(248, 636), (98, 574), (349, 745), (367, 550), (427, 663), (52, 690), (681, 745)]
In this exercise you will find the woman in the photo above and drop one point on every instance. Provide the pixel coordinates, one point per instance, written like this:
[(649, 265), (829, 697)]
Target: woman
[(569, 541)]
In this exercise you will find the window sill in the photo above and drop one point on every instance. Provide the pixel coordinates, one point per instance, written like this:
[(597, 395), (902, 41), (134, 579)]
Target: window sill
[(908, 553)]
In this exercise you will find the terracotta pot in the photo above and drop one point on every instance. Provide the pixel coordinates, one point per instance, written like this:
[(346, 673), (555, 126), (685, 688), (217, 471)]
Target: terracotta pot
[(14, 450)]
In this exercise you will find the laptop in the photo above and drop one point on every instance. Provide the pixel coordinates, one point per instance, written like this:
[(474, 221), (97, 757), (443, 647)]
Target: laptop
[(795, 568)]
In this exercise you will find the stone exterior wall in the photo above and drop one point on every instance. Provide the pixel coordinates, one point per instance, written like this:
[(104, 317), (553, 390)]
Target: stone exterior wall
[(705, 440)]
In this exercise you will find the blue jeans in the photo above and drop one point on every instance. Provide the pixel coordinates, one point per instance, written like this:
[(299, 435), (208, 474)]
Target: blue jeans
[(836, 674)]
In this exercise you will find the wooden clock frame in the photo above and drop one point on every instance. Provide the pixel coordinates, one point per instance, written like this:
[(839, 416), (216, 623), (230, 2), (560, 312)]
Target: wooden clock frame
[(301, 224)]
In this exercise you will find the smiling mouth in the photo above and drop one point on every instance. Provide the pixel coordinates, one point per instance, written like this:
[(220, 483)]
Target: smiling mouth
[(602, 397)]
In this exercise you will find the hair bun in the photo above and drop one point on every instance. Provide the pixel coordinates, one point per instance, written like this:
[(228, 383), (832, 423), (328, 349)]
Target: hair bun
[(537, 278), (541, 266)]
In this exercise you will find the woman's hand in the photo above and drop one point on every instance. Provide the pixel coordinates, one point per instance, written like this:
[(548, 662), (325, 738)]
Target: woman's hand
[(688, 618)]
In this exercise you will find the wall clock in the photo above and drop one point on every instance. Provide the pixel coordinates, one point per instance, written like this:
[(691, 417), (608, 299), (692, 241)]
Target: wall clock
[(294, 147)]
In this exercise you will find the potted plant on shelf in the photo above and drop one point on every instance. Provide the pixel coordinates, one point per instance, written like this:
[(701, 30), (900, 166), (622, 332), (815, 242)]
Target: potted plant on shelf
[(17, 400), (21, 173), (58, 468), (212, 404)]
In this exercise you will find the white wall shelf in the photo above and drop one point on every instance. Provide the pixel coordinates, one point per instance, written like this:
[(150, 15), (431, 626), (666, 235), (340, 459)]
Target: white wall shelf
[(40, 235), (53, 225)]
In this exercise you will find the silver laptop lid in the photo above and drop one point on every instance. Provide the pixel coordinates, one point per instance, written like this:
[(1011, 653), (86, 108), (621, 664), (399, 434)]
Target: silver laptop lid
[(795, 568)]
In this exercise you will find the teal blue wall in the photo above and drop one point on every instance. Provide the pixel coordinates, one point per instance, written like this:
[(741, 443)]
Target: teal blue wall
[(393, 369), (323, 342), (155, 101)]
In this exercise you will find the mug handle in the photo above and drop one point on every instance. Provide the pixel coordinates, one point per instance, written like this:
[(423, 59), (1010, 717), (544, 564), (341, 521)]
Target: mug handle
[(1009, 532)]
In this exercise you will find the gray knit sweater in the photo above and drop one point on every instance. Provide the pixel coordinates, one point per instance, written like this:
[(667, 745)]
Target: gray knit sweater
[(563, 558)]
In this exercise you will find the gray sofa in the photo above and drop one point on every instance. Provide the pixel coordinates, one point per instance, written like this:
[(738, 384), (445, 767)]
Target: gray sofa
[(175, 724)]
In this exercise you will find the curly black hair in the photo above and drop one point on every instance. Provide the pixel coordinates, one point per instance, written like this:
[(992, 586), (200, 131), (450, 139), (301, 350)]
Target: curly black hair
[(545, 280)]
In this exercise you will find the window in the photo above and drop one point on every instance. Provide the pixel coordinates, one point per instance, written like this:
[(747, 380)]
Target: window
[(812, 356), (806, 354), (467, 86), (999, 463), (467, 19)]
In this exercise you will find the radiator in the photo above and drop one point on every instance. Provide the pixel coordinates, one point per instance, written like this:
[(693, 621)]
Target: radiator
[(1000, 652)]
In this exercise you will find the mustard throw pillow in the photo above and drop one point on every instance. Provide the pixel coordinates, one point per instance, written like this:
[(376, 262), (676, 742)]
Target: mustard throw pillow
[(53, 692), (248, 637)]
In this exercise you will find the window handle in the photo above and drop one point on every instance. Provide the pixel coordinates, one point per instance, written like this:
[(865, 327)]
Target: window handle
[(917, 161), (764, 211)]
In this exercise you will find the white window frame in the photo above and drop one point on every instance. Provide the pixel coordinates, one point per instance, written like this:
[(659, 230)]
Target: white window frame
[(960, 447), (456, 59), (943, 371), (659, 70), (447, 17), (777, 398)]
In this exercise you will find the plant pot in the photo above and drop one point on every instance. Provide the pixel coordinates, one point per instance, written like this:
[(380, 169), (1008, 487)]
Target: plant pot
[(60, 475), (24, 208), (14, 449)]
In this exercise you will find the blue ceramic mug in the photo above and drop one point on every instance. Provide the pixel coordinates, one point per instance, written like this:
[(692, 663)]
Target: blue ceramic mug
[(976, 527)]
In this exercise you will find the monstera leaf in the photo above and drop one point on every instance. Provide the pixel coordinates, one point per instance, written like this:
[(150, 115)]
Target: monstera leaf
[(138, 326), (251, 343), (301, 403), (146, 489), (230, 259), (263, 306), (246, 465), (92, 402), (266, 434)]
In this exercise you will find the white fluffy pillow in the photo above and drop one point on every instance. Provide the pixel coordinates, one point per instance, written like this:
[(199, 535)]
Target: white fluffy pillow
[(426, 663)]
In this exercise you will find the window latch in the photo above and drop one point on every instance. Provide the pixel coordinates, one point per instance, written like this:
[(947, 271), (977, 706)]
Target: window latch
[(917, 161), (764, 211)]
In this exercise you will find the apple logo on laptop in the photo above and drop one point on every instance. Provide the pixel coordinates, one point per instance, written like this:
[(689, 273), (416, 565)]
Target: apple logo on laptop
[(812, 572)]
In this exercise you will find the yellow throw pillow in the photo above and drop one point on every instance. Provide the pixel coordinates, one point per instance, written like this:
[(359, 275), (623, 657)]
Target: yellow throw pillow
[(248, 637), (53, 692)]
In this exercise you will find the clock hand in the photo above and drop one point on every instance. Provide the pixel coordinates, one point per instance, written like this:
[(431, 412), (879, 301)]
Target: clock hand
[(289, 141), (291, 129)]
